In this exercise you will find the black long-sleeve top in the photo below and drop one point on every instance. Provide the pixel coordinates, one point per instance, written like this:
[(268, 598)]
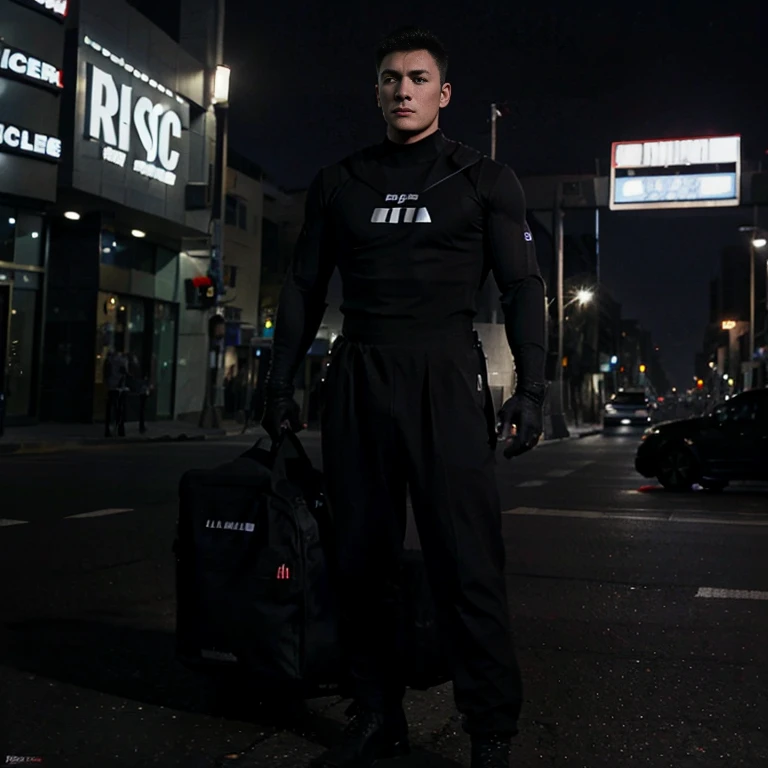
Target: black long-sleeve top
[(414, 230)]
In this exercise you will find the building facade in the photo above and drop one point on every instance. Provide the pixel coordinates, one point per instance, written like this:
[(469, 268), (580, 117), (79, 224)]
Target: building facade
[(32, 83), (130, 223)]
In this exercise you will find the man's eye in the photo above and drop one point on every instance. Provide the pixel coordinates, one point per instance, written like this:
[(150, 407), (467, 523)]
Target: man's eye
[(420, 80)]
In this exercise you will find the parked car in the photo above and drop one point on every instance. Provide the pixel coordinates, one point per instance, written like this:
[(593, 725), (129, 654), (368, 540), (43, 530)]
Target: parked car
[(627, 408), (731, 443)]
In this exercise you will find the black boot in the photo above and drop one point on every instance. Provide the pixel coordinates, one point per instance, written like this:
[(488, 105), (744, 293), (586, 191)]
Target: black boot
[(490, 752), (369, 736)]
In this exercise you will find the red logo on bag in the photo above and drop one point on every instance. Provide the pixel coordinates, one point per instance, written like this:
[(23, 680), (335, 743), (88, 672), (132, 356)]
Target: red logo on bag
[(283, 572)]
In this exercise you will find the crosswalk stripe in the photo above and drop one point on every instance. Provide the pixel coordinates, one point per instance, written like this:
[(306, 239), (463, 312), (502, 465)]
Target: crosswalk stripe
[(732, 594), (636, 514), (5, 522), (98, 513)]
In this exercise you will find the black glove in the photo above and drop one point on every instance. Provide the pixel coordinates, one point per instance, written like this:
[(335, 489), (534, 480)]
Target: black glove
[(281, 411), (520, 420)]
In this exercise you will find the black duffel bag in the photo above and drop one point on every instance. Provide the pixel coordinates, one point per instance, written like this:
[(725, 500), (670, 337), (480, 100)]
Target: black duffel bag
[(252, 576)]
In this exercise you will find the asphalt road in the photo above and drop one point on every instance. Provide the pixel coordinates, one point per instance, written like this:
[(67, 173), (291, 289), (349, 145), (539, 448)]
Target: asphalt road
[(631, 652)]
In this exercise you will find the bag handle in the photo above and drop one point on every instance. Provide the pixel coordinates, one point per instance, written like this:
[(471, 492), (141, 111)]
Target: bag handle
[(285, 449)]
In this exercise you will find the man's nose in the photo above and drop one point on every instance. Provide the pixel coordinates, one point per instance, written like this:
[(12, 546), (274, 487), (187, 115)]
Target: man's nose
[(402, 92)]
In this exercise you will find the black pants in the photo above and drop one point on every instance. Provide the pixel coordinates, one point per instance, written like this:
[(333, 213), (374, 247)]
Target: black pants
[(416, 417), (116, 403)]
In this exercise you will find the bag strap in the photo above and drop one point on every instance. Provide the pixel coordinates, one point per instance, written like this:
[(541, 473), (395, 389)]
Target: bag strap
[(287, 448)]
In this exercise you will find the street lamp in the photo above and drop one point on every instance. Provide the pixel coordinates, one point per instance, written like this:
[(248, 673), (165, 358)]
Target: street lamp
[(757, 241), (216, 328), (583, 296)]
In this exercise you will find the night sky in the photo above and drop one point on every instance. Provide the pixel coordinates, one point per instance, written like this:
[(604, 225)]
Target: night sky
[(303, 79)]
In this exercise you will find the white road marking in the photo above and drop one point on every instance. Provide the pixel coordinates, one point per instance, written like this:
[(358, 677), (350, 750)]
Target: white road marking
[(570, 470), (531, 484), (5, 522), (99, 513), (732, 594), (634, 514)]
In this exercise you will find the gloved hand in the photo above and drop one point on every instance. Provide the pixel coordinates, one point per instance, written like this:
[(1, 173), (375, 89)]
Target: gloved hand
[(520, 420), (281, 411)]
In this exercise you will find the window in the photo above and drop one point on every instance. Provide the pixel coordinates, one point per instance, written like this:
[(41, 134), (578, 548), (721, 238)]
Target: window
[(7, 232), (21, 351), (21, 237), (230, 276), (29, 240), (236, 212), (738, 410), (230, 213), (629, 398), (127, 252), (270, 247)]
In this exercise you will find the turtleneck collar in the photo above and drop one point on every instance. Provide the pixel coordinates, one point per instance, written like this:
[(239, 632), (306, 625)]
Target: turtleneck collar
[(423, 151)]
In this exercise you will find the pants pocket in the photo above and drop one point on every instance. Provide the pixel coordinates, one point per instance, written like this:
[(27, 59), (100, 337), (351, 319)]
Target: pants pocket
[(485, 398)]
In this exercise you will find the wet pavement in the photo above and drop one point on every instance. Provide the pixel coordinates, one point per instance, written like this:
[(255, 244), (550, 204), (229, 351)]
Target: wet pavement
[(640, 619)]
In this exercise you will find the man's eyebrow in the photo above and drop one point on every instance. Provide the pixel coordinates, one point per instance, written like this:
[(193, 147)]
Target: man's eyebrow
[(411, 73)]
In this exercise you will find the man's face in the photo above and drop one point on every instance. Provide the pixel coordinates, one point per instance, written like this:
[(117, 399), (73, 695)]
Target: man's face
[(410, 95)]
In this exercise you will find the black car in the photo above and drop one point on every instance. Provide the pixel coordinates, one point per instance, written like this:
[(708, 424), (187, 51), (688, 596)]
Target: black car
[(627, 408), (731, 443)]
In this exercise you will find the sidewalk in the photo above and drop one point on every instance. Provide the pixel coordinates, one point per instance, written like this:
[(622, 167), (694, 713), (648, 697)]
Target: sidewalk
[(585, 430), (51, 437), (576, 432)]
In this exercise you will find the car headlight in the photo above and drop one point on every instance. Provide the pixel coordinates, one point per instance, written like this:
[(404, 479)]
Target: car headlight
[(609, 408)]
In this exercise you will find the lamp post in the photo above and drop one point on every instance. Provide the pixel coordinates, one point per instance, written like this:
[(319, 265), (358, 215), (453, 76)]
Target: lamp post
[(758, 241), (490, 289), (216, 325)]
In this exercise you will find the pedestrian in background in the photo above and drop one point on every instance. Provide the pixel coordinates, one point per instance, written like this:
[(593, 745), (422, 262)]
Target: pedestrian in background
[(115, 378)]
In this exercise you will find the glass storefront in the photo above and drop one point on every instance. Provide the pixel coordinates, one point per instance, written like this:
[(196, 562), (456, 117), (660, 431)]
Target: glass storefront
[(137, 315), (145, 332), (21, 279), (164, 357)]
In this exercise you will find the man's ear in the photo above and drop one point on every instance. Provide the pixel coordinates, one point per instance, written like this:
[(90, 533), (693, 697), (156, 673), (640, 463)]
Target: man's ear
[(445, 95)]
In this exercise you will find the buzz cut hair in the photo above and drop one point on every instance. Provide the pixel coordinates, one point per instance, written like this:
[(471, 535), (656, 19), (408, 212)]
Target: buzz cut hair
[(413, 39)]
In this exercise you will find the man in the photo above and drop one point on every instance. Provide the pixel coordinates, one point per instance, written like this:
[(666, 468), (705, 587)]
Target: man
[(414, 225)]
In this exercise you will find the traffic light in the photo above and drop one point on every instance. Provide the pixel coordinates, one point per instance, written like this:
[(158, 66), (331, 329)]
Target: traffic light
[(267, 323), (642, 368), (200, 292), (699, 384)]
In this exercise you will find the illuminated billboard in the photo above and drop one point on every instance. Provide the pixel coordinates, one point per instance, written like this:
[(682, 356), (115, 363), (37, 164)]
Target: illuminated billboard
[(675, 173)]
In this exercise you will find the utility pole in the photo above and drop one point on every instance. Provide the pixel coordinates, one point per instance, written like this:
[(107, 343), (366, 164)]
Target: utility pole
[(560, 304), (489, 292), (557, 403), (752, 293), (494, 114), (220, 79)]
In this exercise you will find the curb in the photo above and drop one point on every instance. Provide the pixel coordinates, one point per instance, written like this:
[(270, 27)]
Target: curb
[(57, 446), (589, 433)]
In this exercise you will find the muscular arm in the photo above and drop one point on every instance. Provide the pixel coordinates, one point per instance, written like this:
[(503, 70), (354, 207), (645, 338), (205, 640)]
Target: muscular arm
[(302, 299), (512, 256)]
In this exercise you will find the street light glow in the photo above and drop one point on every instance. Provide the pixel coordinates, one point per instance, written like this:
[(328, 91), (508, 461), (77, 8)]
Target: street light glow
[(221, 85), (584, 296), (759, 242)]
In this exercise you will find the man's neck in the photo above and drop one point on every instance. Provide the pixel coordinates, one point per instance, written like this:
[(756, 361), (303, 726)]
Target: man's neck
[(403, 137)]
